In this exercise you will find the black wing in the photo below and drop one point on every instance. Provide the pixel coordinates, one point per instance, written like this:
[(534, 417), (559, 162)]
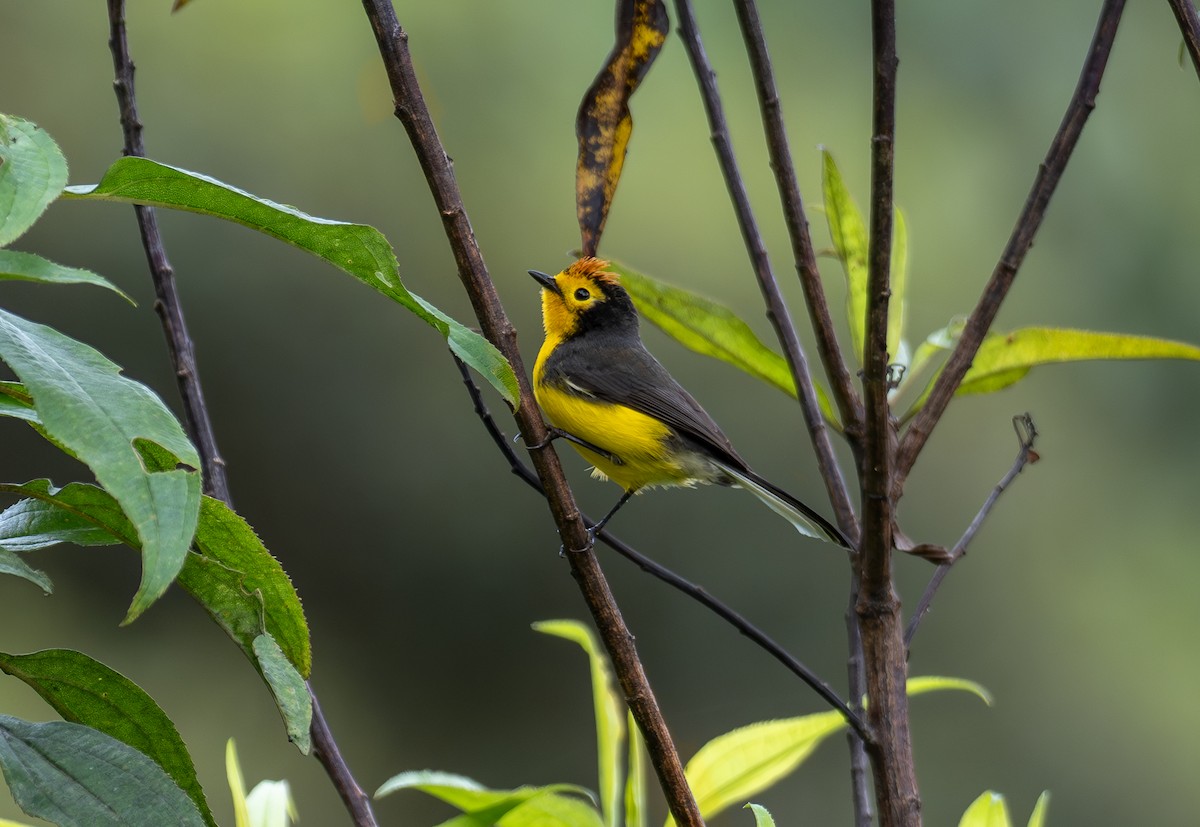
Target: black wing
[(627, 374)]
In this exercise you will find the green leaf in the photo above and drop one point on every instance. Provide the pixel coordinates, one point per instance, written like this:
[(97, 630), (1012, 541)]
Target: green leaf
[(989, 810), (553, 810), (33, 173), (243, 587), (86, 405), (75, 776), (15, 266), (1038, 819), (713, 330), (849, 235), (356, 249), (608, 709), (481, 807), (762, 818), (76, 513), (16, 402), (85, 691), (1005, 358), (898, 303), (14, 565), (289, 689), (635, 781), (733, 767)]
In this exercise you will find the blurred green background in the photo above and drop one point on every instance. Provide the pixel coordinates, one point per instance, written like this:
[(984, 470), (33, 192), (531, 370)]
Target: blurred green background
[(353, 450)]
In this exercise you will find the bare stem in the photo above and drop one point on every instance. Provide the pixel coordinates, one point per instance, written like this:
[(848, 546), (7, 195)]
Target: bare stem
[(1026, 436), (196, 416), (777, 311), (413, 113), (1189, 25), (1082, 102), (179, 343), (698, 593)]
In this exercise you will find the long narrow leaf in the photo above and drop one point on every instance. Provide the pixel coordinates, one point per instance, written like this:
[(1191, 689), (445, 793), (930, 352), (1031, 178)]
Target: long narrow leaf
[(1038, 818), (604, 123), (635, 780), (608, 708), (898, 303), (480, 806), (15, 266), (356, 249), (989, 810), (849, 235)]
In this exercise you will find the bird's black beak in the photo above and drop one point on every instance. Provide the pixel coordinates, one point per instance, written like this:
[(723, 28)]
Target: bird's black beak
[(547, 282)]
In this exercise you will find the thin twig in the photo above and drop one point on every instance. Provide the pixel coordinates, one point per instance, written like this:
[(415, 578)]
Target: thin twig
[(777, 310), (698, 593), (842, 384), (1026, 436), (196, 416), (1082, 102), (179, 343), (848, 401), (1189, 25), (413, 113)]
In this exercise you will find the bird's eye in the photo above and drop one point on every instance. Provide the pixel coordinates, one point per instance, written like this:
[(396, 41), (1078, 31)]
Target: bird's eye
[(582, 294)]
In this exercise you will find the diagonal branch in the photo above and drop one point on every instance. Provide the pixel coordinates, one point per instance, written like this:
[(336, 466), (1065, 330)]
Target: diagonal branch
[(849, 405), (664, 574), (179, 343), (1026, 436), (1082, 102), (413, 113), (1189, 25), (196, 416)]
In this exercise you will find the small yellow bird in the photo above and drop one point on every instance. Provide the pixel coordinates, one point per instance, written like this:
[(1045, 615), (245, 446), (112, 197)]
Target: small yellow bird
[(602, 390)]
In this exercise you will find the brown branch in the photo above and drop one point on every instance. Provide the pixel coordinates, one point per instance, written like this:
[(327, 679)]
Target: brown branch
[(1189, 25), (183, 358), (777, 311), (179, 343), (412, 112), (697, 593), (896, 796), (1026, 436), (1082, 102), (849, 405)]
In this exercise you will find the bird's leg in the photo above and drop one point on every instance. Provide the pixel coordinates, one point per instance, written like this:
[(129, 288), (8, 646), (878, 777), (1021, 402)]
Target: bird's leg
[(558, 433), (598, 527)]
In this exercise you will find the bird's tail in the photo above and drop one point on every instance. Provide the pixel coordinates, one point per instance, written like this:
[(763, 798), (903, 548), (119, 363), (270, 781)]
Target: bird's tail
[(807, 521)]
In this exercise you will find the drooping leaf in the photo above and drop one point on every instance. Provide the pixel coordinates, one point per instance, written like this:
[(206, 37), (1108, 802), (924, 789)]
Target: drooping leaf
[(609, 710), (732, 768), (849, 234), (243, 587), (989, 810), (480, 806), (356, 249), (33, 173), (1038, 818), (762, 817), (17, 266), (85, 691), (86, 405), (1005, 358), (76, 513), (604, 123), (289, 689), (635, 781), (74, 776), (713, 330)]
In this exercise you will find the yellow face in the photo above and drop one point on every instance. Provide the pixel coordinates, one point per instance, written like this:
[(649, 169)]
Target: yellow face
[(561, 309)]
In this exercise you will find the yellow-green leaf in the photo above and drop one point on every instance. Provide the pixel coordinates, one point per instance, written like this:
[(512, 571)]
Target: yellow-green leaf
[(898, 302), (609, 711), (1038, 819), (989, 810), (1005, 358), (635, 781), (762, 816), (604, 123), (714, 330), (849, 235)]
